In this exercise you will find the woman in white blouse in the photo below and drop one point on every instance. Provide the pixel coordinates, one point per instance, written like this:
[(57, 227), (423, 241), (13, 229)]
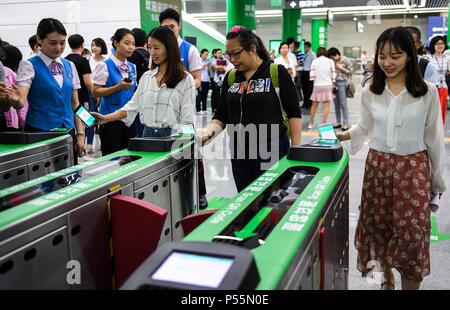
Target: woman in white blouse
[(165, 96), (442, 63), (284, 60), (400, 114)]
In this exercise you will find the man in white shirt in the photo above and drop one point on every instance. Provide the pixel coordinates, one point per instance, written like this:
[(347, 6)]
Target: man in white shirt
[(291, 55), (189, 53), (193, 63)]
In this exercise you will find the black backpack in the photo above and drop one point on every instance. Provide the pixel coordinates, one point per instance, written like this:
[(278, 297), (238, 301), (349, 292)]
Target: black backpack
[(423, 64)]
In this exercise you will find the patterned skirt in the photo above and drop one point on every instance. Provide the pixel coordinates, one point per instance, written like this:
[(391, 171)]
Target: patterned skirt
[(393, 228)]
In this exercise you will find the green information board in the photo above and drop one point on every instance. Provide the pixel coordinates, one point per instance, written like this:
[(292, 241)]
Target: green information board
[(319, 33), (150, 10), (274, 45), (275, 3)]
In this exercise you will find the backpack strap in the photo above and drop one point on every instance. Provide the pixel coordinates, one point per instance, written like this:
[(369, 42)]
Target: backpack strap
[(276, 85), (231, 77), (274, 75)]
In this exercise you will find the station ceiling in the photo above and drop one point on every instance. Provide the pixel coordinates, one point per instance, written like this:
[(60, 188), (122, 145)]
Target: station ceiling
[(215, 6)]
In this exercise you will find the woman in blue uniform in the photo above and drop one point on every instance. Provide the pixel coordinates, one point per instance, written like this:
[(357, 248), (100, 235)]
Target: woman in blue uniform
[(50, 85), (115, 82)]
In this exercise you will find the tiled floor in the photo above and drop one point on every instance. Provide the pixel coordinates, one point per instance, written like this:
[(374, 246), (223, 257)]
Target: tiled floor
[(219, 181)]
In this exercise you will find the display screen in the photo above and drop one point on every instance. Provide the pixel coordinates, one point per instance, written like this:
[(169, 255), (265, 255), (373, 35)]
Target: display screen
[(194, 269), (327, 132), (85, 116)]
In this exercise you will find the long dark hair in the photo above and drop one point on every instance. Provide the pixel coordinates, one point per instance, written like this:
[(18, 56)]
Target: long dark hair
[(402, 40), (247, 38), (49, 25), (175, 69)]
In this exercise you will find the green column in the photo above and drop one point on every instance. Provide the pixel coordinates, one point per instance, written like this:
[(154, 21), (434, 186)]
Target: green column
[(242, 13), (448, 27), (292, 24), (319, 33)]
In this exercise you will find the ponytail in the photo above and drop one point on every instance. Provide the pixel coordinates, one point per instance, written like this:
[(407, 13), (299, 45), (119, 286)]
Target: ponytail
[(261, 49)]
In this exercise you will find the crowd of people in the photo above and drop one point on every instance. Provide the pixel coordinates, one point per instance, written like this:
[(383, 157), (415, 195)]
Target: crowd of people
[(153, 83)]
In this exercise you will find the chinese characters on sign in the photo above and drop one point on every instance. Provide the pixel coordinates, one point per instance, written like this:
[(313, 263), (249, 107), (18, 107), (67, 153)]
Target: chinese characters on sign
[(249, 10), (156, 7), (303, 4)]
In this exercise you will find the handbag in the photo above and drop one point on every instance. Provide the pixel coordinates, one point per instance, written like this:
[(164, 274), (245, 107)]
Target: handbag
[(350, 89)]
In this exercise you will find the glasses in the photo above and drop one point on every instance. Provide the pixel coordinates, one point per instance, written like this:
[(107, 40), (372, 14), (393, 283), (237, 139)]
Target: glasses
[(440, 43), (234, 54)]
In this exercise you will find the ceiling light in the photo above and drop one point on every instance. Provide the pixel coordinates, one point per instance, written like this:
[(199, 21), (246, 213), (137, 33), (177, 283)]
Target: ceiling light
[(355, 18)]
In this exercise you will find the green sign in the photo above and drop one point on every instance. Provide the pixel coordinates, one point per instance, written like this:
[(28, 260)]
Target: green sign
[(276, 3), (319, 33), (150, 10), (274, 46), (436, 236)]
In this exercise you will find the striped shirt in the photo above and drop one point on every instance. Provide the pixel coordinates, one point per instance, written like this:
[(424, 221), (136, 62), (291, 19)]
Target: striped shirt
[(160, 106)]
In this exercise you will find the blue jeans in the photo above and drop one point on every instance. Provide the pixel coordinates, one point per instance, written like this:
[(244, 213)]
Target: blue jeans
[(90, 131), (153, 132), (340, 102)]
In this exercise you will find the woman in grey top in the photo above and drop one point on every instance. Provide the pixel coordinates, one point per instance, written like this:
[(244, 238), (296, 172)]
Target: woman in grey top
[(343, 71)]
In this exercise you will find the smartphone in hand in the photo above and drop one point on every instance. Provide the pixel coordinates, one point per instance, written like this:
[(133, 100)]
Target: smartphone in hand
[(86, 117), (128, 80), (327, 132)]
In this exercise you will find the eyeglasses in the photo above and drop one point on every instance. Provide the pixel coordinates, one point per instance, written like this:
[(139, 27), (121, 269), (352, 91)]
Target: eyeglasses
[(440, 43), (234, 54)]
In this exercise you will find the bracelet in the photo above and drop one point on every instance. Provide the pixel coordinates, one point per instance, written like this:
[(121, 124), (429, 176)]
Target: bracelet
[(80, 134)]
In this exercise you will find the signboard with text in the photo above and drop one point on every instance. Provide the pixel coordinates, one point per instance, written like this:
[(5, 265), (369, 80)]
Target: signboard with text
[(304, 4), (150, 10)]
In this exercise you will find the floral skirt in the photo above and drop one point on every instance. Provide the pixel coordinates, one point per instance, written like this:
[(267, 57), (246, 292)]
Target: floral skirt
[(393, 228)]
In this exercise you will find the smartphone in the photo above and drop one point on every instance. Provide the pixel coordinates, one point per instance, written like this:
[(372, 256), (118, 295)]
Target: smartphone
[(127, 80), (87, 118), (327, 132)]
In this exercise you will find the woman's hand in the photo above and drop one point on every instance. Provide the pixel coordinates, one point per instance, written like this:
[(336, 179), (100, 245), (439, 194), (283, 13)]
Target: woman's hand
[(124, 85), (100, 118), (13, 93), (343, 136), (80, 143)]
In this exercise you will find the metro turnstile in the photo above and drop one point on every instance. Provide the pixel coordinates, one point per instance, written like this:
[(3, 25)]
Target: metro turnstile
[(48, 225), (293, 220), (21, 161)]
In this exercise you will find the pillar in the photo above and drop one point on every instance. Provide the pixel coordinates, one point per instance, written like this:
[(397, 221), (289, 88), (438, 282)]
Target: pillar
[(319, 33), (242, 13), (292, 24)]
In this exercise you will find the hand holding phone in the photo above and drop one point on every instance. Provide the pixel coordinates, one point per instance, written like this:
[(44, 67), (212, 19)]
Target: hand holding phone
[(126, 83), (327, 132), (86, 117)]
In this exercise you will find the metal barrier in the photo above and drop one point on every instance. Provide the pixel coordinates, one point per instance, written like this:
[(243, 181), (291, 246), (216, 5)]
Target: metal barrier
[(26, 156), (61, 220)]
